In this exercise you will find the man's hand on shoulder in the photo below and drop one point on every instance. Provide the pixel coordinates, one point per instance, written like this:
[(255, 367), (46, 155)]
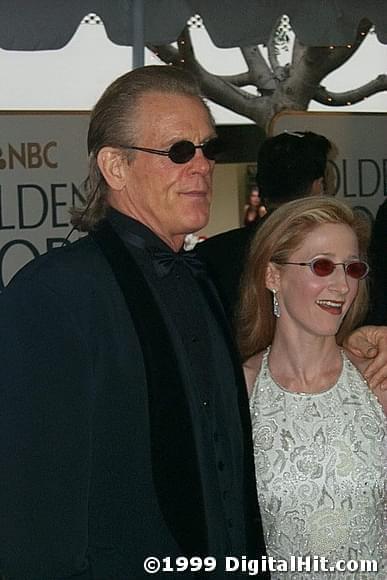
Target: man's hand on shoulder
[(369, 344)]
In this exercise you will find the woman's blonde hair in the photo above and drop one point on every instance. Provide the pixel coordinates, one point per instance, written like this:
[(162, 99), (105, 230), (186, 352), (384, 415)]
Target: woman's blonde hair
[(282, 233)]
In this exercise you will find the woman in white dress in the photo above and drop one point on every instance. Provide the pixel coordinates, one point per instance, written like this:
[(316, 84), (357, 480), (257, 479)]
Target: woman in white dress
[(318, 430)]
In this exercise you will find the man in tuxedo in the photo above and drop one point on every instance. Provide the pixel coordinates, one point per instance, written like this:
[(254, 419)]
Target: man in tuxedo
[(125, 427), (289, 166), (125, 439)]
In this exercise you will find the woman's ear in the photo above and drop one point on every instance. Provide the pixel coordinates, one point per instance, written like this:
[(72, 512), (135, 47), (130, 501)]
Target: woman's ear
[(317, 187), (111, 165), (272, 276)]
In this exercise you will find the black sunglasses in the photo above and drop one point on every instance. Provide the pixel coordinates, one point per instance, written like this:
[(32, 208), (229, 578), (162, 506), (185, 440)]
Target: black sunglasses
[(184, 151), (356, 269)]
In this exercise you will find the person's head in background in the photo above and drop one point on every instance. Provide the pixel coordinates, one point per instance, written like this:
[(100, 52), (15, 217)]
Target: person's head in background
[(292, 165), (254, 198), (303, 231)]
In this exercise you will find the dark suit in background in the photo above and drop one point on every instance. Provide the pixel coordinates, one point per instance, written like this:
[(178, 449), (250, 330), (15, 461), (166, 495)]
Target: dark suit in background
[(289, 166), (225, 256), (378, 260)]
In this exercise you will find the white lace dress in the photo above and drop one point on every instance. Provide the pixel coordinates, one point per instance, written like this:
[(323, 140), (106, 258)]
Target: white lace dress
[(319, 462)]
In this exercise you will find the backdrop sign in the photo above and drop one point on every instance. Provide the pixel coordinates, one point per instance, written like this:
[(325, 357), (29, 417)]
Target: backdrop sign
[(360, 164), (43, 162)]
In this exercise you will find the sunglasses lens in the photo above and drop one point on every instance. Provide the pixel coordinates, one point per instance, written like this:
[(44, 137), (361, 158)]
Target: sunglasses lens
[(181, 152), (212, 148), (357, 270), (323, 267), (184, 151)]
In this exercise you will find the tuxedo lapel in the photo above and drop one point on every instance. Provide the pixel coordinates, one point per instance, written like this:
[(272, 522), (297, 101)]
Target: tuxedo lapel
[(174, 456)]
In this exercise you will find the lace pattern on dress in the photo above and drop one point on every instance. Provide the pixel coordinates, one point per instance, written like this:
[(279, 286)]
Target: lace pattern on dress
[(319, 462)]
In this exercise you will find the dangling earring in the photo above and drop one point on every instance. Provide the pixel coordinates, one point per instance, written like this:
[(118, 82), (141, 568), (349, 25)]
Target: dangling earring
[(276, 306)]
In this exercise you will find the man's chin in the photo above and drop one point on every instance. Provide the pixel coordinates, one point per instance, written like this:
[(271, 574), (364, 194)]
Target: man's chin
[(197, 226)]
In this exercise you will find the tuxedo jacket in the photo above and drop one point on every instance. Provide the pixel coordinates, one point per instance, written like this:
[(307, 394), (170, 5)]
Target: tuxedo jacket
[(225, 256), (93, 422)]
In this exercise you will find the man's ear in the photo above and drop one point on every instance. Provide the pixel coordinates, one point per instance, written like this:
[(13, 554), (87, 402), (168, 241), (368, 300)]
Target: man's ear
[(111, 165), (272, 276)]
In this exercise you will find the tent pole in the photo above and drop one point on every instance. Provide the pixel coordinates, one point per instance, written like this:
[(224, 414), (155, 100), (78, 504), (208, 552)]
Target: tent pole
[(138, 33)]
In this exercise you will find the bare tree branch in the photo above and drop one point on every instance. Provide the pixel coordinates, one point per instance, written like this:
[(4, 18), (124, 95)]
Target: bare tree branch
[(259, 71), (278, 70), (186, 51), (328, 59), (353, 96), (240, 80), (218, 89), (314, 63), (298, 52), (166, 52), (233, 98), (272, 53), (279, 88)]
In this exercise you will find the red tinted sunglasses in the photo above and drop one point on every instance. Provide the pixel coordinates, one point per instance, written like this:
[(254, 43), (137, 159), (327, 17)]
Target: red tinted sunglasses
[(357, 269)]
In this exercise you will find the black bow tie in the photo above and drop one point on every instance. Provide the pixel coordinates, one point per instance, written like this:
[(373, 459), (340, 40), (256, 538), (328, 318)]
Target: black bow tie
[(164, 261)]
